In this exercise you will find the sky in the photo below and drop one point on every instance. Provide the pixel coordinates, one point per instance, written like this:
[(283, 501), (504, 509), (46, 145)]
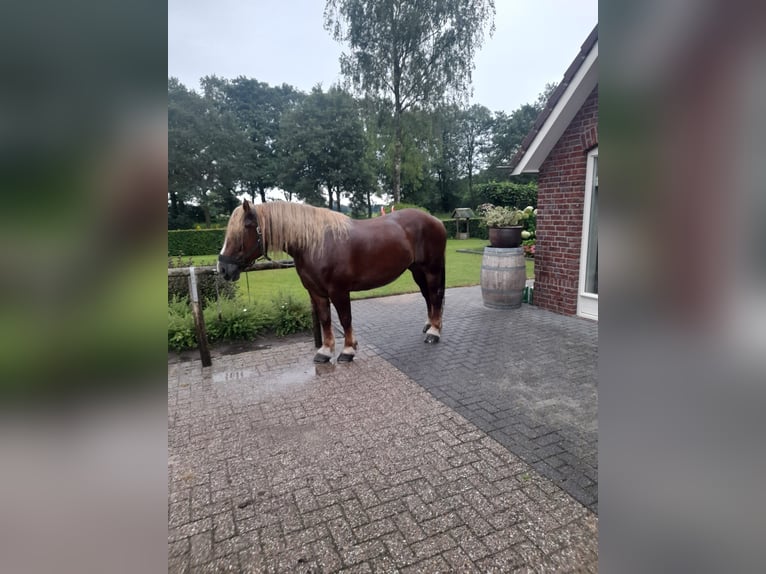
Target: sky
[(284, 41)]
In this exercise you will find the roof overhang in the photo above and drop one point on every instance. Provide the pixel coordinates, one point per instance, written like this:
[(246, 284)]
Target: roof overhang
[(562, 114)]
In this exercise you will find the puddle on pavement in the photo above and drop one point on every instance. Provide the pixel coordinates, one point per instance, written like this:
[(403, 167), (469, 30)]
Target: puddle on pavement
[(233, 375), (273, 382), (291, 378)]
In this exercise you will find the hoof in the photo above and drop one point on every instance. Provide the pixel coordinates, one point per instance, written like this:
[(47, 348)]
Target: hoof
[(431, 339), (428, 326), (345, 358), (320, 358)]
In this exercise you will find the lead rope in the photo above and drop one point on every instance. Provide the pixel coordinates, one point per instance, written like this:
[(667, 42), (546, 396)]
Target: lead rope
[(217, 278), (261, 245), (247, 280)]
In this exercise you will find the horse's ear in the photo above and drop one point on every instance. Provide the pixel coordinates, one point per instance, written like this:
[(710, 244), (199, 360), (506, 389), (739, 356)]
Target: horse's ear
[(249, 214)]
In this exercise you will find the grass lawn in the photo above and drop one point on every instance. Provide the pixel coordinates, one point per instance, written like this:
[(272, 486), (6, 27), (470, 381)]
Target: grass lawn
[(463, 269)]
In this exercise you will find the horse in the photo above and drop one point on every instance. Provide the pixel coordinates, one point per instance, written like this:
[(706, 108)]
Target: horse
[(334, 255)]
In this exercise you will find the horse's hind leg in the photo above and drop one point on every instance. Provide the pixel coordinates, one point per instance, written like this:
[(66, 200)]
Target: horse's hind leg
[(342, 302), (420, 278), (435, 278), (322, 306)]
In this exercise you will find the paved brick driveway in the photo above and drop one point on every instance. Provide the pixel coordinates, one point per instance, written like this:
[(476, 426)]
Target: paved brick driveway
[(275, 465), (527, 377)]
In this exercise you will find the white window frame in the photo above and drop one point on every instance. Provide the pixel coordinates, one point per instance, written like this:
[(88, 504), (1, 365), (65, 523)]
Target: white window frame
[(587, 303)]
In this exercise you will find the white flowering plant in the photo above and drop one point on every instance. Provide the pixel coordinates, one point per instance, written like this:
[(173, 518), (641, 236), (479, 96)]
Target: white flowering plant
[(498, 216), (503, 216)]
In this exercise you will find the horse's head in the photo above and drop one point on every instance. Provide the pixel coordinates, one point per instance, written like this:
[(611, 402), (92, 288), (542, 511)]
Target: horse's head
[(243, 242)]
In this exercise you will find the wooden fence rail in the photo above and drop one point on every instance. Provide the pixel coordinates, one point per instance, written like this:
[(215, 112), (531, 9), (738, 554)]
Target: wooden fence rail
[(199, 319), (211, 269)]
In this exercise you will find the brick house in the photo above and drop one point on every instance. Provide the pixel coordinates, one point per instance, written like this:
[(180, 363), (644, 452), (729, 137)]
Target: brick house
[(562, 148)]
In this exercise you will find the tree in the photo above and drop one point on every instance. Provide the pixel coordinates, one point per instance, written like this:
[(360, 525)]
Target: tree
[(324, 145), (509, 131), (416, 52), (544, 96), (203, 148), (475, 129), (185, 109), (258, 109), (445, 164)]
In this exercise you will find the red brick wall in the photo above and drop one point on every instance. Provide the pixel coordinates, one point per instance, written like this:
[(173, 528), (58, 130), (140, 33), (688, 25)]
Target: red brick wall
[(560, 201)]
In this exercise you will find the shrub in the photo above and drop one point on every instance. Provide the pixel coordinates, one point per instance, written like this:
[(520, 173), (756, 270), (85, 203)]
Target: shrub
[(529, 248), (181, 334), (188, 242), (234, 320), (399, 207), (530, 224), (292, 316)]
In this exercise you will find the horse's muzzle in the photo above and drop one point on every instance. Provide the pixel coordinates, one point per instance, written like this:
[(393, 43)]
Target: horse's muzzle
[(229, 271)]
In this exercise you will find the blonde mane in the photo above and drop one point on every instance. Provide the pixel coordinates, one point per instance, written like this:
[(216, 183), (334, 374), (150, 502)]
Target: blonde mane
[(295, 225)]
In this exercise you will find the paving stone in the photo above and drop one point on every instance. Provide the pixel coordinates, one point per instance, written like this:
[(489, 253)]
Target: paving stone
[(383, 565), (374, 529), (179, 564), (441, 523), (326, 555), (223, 526), (469, 543), (512, 559), (201, 548), (386, 509), (459, 561), (179, 513), (276, 465), (195, 527), (179, 548), (362, 552), (305, 536), (399, 549), (435, 564)]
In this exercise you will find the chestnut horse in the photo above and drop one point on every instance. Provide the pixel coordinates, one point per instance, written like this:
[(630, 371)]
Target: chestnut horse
[(335, 255)]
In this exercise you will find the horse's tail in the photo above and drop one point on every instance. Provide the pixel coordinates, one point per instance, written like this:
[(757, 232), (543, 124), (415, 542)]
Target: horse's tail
[(442, 266), (444, 276)]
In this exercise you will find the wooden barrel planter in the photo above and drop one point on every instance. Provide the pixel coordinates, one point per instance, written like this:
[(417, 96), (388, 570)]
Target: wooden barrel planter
[(503, 277)]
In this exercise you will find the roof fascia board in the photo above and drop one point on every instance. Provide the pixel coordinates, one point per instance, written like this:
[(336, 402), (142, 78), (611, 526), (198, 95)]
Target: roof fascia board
[(561, 116)]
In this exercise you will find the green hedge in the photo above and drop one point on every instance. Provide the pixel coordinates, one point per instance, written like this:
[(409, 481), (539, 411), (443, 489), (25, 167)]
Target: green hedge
[(507, 193), (476, 228), (188, 242)]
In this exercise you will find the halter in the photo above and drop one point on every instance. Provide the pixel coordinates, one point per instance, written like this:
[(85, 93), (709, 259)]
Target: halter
[(243, 261)]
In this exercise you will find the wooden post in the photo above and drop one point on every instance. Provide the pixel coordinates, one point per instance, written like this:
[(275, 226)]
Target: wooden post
[(199, 319)]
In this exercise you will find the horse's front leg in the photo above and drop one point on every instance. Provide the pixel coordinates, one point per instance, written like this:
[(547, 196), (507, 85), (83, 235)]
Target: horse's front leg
[(342, 304), (322, 306)]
